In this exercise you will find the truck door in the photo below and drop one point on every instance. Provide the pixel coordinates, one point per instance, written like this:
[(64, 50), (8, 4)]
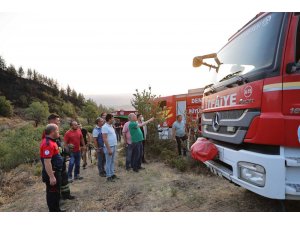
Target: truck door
[(291, 84), (181, 108)]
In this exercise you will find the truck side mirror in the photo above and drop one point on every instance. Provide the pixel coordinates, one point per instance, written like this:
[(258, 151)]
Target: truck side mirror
[(292, 68)]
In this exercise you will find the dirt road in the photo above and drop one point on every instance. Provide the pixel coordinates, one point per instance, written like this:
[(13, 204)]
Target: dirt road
[(158, 188)]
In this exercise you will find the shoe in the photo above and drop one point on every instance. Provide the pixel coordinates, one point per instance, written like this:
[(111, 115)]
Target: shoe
[(78, 178), (69, 197), (102, 175), (62, 210), (135, 170), (142, 168), (115, 177), (110, 179), (70, 180)]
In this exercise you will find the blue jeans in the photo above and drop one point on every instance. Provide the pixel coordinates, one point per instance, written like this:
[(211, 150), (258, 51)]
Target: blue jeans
[(74, 159), (129, 158), (101, 161), (137, 149), (110, 161)]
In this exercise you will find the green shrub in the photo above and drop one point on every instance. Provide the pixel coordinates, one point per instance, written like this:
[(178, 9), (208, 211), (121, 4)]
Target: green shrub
[(19, 146), (38, 112), (6, 108), (154, 149), (38, 170), (89, 128)]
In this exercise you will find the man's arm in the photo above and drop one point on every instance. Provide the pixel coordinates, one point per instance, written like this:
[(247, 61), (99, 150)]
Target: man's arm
[(105, 140), (48, 168), (145, 123), (89, 138), (124, 137), (96, 143), (82, 140)]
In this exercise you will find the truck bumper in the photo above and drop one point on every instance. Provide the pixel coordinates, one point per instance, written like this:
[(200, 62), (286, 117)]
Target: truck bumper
[(282, 172)]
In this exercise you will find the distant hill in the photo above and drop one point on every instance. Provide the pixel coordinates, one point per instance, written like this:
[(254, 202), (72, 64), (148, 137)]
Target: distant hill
[(22, 91), (120, 101)]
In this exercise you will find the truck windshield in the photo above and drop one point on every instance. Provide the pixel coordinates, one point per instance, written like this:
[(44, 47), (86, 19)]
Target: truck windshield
[(253, 49)]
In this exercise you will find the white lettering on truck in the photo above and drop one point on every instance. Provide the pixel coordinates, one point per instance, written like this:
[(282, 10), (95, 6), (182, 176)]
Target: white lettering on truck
[(196, 100), (226, 100)]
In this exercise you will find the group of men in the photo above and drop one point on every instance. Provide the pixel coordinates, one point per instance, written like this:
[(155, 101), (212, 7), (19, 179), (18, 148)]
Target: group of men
[(54, 152), (105, 140)]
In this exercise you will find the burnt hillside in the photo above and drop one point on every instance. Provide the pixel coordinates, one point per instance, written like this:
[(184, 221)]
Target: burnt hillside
[(21, 92)]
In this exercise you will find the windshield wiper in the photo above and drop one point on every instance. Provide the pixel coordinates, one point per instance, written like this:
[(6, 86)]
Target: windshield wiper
[(232, 75), (211, 89)]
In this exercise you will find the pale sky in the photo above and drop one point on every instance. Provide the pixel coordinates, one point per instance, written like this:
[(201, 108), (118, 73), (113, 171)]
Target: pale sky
[(116, 47)]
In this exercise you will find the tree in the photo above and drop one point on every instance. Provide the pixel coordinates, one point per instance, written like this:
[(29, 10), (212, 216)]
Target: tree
[(68, 91), (2, 63), (12, 70), (29, 74), (38, 112), (35, 75), (6, 109), (62, 93), (81, 99), (90, 111), (68, 109), (21, 72), (74, 94), (145, 103)]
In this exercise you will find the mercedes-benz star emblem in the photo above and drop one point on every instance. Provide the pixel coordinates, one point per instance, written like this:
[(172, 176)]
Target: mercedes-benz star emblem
[(216, 122)]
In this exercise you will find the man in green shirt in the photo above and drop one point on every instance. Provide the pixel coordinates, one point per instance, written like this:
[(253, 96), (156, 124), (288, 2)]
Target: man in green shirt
[(137, 140)]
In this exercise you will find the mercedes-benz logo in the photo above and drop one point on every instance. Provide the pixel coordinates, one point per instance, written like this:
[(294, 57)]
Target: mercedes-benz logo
[(216, 122)]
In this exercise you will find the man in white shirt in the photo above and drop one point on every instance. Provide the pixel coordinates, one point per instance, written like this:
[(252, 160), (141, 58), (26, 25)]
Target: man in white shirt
[(110, 147)]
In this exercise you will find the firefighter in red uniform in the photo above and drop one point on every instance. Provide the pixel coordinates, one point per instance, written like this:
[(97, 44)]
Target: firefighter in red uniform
[(52, 167), (65, 189)]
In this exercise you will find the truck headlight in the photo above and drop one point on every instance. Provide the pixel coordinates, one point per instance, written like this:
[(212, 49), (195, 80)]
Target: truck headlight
[(252, 173)]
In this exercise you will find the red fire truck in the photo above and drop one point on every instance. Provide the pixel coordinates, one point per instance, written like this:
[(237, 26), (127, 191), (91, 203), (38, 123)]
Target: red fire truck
[(252, 111)]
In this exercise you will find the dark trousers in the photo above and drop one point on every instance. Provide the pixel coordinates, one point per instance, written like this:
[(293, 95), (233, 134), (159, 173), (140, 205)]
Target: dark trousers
[(65, 189), (179, 140), (101, 161), (75, 159), (143, 152), (118, 133), (137, 149), (129, 156), (53, 193)]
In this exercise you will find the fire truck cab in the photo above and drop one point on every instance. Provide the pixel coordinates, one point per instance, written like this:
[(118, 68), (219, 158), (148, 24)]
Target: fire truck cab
[(252, 110)]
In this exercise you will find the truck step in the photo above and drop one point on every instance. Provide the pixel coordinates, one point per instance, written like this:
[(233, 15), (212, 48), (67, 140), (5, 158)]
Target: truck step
[(219, 169), (292, 189), (292, 161)]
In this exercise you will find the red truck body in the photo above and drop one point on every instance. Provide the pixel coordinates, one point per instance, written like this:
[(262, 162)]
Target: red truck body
[(184, 104)]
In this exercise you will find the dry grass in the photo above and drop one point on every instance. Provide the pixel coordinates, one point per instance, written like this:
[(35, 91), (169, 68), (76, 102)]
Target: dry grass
[(158, 188)]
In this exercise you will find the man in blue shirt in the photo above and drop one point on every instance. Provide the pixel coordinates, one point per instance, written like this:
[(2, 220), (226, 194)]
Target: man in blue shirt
[(99, 144), (179, 134)]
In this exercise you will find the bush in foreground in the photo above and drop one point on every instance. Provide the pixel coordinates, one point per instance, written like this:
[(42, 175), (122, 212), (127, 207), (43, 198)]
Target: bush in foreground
[(6, 108), (19, 146)]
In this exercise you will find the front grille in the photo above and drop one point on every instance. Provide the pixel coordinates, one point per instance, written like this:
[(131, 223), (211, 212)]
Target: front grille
[(222, 130), (230, 114), (240, 119)]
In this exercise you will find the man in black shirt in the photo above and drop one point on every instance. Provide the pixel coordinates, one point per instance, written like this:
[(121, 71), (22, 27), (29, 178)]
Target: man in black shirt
[(118, 130), (86, 138)]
